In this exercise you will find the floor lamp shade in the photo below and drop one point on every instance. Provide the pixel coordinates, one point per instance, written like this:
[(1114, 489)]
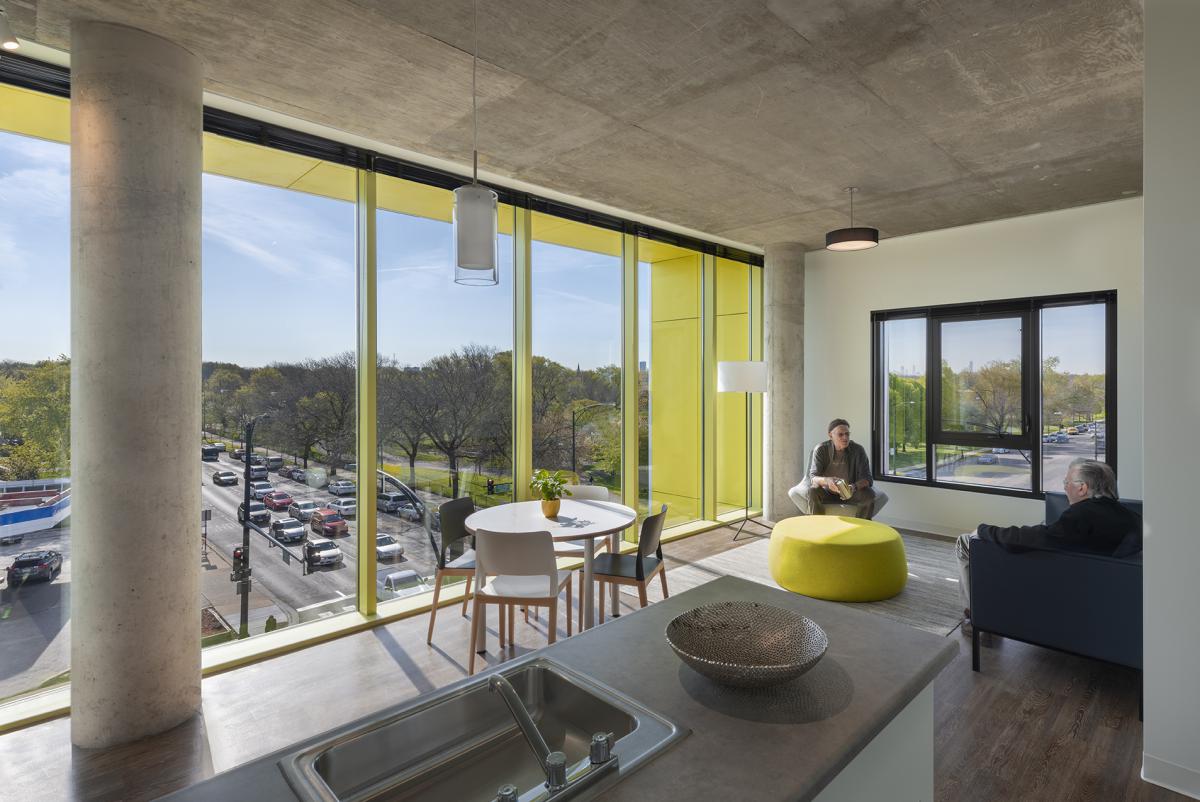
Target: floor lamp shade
[(476, 244), (741, 377)]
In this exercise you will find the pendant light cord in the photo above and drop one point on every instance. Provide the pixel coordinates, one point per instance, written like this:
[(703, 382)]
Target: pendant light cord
[(851, 191), (474, 100)]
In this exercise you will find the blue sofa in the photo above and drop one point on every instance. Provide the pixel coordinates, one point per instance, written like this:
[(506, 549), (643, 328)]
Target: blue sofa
[(1085, 604)]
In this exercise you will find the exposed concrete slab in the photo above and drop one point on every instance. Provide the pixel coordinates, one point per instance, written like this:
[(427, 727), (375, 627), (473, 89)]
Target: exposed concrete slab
[(720, 115)]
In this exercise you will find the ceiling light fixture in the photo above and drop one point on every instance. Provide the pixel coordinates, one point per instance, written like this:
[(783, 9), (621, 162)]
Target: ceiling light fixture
[(853, 238), (476, 244), (8, 39)]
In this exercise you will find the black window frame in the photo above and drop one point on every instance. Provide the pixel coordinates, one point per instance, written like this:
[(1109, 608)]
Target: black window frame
[(1029, 311)]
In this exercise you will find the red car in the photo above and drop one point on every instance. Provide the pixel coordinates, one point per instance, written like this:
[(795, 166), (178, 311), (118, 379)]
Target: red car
[(278, 501), (329, 523)]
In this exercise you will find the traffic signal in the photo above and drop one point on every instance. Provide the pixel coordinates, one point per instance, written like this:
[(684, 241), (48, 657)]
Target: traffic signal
[(239, 555)]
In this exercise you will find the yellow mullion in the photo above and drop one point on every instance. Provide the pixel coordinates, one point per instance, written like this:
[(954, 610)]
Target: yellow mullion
[(365, 251), (522, 361), (630, 376)]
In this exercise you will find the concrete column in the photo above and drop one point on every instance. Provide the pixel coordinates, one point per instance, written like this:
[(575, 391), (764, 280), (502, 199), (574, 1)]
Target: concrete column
[(136, 122), (783, 321)]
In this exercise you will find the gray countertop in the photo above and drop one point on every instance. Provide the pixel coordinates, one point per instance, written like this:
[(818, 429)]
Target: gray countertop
[(785, 743)]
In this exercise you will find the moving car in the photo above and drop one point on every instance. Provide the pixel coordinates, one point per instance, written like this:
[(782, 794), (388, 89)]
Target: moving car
[(259, 490), (303, 509), (288, 530), (218, 446), (341, 487), (34, 565), (1062, 437), (347, 507), (9, 540), (210, 453), (273, 463), (322, 552), (1072, 430), (259, 514), (1049, 438), (987, 459), (388, 548), (239, 454), (298, 475), (329, 523), (1081, 427), (400, 581), (225, 478), (278, 500)]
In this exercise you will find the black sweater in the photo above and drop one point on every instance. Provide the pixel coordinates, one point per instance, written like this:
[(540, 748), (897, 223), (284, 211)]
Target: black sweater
[(1098, 525)]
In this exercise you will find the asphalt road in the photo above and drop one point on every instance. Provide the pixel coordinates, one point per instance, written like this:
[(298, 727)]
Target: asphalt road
[(35, 619)]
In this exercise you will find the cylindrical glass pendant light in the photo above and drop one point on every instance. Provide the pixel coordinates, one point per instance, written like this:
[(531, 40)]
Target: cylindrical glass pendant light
[(476, 240)]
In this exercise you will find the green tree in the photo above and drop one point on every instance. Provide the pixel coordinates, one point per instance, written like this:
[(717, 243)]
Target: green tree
[(35, 404)]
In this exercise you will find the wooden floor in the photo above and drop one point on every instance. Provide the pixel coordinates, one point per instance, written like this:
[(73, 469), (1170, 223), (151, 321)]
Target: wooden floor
[(1034, 725)]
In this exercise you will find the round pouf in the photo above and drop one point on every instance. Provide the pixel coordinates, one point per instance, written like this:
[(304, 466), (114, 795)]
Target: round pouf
[(837, 558)]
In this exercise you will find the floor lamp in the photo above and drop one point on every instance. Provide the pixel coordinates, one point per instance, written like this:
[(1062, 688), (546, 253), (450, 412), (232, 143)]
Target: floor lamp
[(743, 377)]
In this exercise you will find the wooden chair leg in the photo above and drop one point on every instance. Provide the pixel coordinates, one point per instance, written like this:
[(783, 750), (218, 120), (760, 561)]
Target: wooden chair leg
[(569, 633), (503, 615), (437, 592), (526, 609), (600, 598), (642, 594), (663, 576), (512, 627), (474, 638), (552, 627), (581, 601), (466, 594)]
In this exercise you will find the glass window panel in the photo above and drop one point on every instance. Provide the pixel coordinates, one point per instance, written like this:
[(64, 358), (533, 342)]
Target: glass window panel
[(444, 396), (35, 408), (279, 340), (984, 467), (576, 310), (903, 401), (1073, 397), (670, 345), (981, 376), (733, 343)]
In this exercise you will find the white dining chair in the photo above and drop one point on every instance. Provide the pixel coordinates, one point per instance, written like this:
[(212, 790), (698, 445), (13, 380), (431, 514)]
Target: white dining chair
[(518, 568)]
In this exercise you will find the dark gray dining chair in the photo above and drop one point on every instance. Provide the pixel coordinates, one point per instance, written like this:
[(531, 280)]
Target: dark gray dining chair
[(638, 568), (448, 531)]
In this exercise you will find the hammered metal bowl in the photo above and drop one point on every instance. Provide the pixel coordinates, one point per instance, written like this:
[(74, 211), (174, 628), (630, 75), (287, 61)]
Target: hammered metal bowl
[(746, 644)]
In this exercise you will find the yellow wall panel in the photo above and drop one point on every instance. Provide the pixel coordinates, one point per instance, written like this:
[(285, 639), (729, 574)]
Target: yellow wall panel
[(675, 407), (733, 288), (675, 288), (733, 341), (24, 111)]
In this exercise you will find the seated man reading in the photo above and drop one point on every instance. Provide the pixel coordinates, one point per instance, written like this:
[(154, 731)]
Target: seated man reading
[(1094, 522), (838, 473)]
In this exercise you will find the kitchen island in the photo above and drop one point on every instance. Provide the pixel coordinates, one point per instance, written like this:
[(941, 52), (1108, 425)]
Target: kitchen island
[(858, 726)]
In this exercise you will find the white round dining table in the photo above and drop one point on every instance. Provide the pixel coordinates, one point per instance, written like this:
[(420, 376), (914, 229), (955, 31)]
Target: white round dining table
[(583, 520)]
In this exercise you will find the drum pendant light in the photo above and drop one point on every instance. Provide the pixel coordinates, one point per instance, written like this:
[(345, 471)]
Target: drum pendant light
[(476, 244), (853, 238)]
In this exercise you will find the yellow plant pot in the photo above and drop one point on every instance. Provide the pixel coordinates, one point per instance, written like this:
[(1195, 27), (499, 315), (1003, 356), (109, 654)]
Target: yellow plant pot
[(550, 508)]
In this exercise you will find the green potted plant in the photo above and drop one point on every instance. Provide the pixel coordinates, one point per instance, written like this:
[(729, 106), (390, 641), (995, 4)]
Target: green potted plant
[(551, 487)]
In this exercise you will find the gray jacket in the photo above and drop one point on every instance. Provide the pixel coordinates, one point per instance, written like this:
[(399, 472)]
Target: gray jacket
[(856, 457)]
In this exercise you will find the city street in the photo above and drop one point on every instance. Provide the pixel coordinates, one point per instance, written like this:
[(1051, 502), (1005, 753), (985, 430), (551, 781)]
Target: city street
[(35, 619)]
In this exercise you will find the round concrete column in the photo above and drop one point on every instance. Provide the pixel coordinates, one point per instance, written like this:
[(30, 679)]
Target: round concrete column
[(136, 122), (783, 322)]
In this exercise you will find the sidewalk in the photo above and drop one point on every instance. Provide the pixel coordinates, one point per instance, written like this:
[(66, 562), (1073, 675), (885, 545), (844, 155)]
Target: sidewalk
[(218, 592)]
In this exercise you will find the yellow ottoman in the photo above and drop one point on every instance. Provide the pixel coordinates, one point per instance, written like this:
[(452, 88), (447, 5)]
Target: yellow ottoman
[(836, 558)]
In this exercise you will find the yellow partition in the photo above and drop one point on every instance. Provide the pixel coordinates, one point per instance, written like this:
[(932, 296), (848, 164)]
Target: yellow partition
[(732, 343), (676, 438)]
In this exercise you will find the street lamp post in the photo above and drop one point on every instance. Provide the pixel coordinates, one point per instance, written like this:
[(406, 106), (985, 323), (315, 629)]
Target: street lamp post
[(241, 567), (574, 411)]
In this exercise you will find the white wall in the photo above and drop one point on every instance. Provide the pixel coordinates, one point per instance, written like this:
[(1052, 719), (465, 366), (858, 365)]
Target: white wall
[(1171, 594), (1087, 248)]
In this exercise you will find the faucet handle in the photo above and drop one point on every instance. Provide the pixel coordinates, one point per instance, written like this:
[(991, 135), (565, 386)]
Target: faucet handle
[(602, 744), (507, 793), (556, 771)]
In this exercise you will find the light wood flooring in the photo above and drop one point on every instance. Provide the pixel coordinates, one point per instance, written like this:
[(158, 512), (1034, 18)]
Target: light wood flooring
[(1035, 725)]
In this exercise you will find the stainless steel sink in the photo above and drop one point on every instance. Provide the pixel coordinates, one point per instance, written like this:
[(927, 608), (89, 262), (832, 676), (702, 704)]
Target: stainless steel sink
[(463, 744)]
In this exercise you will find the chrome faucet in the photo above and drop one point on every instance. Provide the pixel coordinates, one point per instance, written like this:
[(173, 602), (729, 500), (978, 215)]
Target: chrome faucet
[(553, 763)]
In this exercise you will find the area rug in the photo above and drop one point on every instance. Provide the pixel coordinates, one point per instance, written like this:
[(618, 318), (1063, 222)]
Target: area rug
[(929, 601)]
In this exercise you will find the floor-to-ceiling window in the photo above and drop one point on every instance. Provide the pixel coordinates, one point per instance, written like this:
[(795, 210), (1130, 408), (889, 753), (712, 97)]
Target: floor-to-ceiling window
[(35, 401), (279, 351), (444, 400), (576, 309), (733, 343)]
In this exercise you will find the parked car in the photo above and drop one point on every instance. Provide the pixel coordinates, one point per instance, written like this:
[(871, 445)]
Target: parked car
[(391, 502), (259, 490), (986, 459), (225, 478), (1072, 430), (218, 446), (409, 512), (1062, 437), (278, 500), (255, 459), (328, 522), (239, 454), (1081, 427), (351, 466), (320, 551), (273, 463), (400, 581), (34, 565), (288, 530), (347, 507), (1049, 438), (259, 514), (258, 472), (12, 539), (299, 475), (342, 487), (388, 548), (303, 509)]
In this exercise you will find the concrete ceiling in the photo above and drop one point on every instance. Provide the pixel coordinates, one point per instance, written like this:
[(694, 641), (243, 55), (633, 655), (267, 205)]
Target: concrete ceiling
[(740, 118)]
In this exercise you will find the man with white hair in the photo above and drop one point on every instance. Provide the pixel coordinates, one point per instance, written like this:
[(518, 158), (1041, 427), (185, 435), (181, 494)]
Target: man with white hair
[(1094, 522)]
